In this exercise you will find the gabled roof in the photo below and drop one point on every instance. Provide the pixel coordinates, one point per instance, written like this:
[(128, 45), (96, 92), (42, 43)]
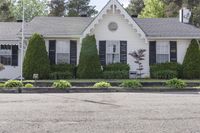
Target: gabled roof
[(167, 27), (9, 31), (57, 25)]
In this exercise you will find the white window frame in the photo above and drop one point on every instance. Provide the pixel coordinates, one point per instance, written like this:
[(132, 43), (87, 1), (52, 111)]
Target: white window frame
[(109, 46), (62, 47), (161, 50)]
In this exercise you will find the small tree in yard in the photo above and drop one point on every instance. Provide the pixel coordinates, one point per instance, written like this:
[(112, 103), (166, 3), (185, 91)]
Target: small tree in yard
[(139, 57), (36, 60), (191, 63), (89, 64)]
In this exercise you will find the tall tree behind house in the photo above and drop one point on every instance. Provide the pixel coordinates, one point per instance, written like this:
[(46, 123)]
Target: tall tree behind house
[(80, 7), (5, 11), (57, 8)]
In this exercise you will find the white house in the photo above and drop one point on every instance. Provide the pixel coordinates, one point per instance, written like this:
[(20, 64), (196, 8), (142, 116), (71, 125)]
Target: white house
[(116, 32)]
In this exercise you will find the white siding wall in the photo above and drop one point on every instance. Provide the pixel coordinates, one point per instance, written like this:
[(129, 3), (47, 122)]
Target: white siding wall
[(182, 46), (125, 33)]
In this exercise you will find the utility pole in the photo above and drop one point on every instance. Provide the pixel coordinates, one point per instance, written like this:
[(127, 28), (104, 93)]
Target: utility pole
[(22, 41)]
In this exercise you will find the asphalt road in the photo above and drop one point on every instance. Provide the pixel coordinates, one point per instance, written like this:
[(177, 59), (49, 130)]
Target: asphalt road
[(100, 113)]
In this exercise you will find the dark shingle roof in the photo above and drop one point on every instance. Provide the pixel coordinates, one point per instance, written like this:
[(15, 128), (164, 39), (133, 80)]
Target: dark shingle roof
[(153, 27), (9, 30), (58, 25), (166, 27)]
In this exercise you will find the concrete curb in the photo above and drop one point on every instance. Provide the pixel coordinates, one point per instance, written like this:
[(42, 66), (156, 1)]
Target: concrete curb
[(94, 90)]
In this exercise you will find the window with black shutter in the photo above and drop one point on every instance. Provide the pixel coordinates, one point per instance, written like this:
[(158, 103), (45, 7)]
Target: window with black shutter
[(123, 52), (52, 51), (73, 52), (152, 52), (14, 55), (173, 51), (102, 52)]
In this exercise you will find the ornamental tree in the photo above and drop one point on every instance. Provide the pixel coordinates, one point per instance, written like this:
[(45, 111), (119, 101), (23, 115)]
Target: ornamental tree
[(36, 60), (139, 57), (89, 63), (191, 63)]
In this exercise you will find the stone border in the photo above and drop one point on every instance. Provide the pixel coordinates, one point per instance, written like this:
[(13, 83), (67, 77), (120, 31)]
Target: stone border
[(94, 90)]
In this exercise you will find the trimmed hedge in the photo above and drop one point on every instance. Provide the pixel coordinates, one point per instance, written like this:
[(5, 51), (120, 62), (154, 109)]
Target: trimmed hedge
[(89, 65), (191, 63), (117, 67), (36, 59), (116, 71), (62, 71), (61, 75), (116, 74), (166, 71)]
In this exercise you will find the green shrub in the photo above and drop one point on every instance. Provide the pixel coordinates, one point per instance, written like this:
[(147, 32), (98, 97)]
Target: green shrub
[(117, 67), (29, 86), (191, 63), (62, 68), (102, 85), (13, 84), (36, 59), (165, 74), (115, 74), (89, 65), (176, 83), (166, 70), (131, 84), (60, 75), (2, 85), (62, 84)]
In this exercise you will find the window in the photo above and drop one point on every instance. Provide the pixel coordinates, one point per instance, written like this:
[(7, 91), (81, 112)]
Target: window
[(5, 55), (62, 52), (112, 52), (162, 52)]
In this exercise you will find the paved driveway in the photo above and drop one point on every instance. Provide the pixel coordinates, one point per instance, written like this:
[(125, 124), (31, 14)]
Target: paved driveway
[(100, 113)]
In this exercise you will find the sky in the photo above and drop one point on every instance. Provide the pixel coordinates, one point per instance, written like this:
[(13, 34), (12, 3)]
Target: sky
[(101, 3)]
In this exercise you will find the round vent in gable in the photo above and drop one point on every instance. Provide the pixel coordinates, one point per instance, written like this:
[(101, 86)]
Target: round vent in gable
[(113, 26)]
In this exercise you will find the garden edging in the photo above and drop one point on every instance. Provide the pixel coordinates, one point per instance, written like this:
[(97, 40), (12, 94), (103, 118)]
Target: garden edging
[(94, 90)]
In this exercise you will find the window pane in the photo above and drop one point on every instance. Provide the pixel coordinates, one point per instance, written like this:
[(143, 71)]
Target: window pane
[(63, 58), (162, 58), (113, 58), (112, 52)]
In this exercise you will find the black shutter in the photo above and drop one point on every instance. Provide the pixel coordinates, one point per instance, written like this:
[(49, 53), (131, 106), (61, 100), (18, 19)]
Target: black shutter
[(52, 51), (14, 55), (73, 52), (152, 52), (102, 52), (173, 51), (123, 52)]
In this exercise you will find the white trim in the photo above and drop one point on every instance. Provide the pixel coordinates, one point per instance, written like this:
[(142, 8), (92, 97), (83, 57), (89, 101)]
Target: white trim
[(123, 12), (174, 38)]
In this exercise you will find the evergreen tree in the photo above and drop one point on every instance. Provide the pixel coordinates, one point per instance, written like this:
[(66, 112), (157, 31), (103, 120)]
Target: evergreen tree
[(153, 9), (135, 7), (191, 63), (36, 60), (89, 64), (80, 7), (5, 11), (57, 8)]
